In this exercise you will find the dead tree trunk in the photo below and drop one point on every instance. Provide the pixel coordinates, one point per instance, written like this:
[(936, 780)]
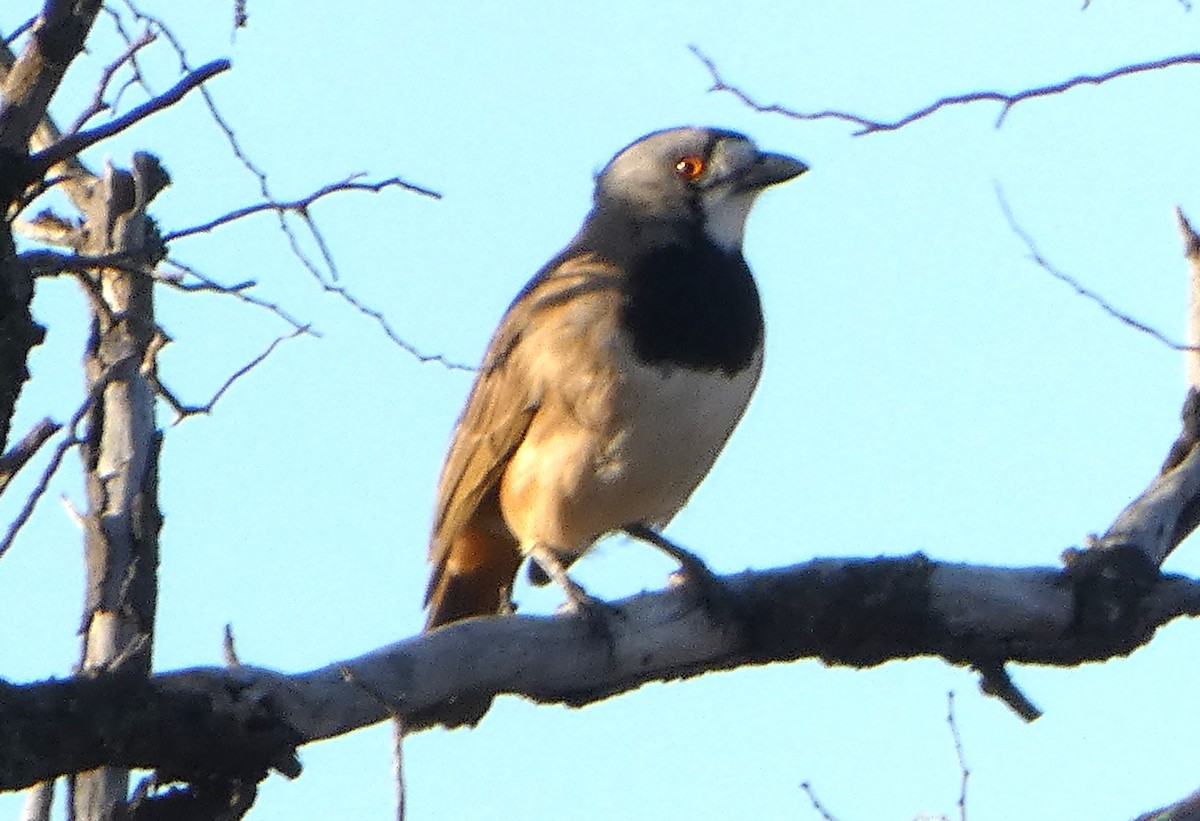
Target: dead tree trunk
[(120, 453)]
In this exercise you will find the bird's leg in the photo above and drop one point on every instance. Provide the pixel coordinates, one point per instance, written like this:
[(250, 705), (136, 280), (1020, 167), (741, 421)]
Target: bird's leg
[(691, 566), (713, 594), (578, 599)]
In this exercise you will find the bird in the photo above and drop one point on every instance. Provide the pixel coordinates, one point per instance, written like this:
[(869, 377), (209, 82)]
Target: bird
[(614, 378)]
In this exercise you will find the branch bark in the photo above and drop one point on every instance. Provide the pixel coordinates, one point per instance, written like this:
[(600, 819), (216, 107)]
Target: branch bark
[(27, 83), (57, 39), (120, 454), (206, 723)]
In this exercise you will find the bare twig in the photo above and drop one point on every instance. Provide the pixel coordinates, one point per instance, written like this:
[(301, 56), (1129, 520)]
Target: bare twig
[(1037, 257), (98, 104), (1191, 250), (869, 126), (119, 24), (71, 440), (241, 17), (183, 411), (397, 733), (816, 804), (241, 155), (301, 205), (20, 453), (39, 489), (19, 30), (281, 208), (237, 291), (962, 759), (71, 146), (229, 648), (387, 328)]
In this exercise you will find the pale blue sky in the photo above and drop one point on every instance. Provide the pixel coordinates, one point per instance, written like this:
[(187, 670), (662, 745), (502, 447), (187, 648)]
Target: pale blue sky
[(927, 387)]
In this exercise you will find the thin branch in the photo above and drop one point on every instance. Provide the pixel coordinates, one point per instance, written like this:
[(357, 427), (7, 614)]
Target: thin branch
[(71, 440), (39, 489), (387, 328), (20, 453), (282, 209), (238, 152), (1191, 250), (119, 25), (960, 754), (19, 30), (397, 735), (183, 411), (73, 145), (237, 291), (1037, 257), (869, 126), (241, 17), (816, 803), (97, 105), (301, 205)]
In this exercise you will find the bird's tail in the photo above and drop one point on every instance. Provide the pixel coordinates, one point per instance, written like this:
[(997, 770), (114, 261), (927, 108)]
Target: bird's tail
[(474, 578)]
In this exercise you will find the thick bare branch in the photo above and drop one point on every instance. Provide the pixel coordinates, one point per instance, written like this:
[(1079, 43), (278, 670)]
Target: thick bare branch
[(74, 175), (1186, 809), (869, 126), (120, 453), (52, 263), (70, 146), (1168, 511), (56, 40), (39, 801), (842, 611)]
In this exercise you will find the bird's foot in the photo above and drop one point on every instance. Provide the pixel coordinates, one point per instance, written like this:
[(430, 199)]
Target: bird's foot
[(598, 613), (705, 587)]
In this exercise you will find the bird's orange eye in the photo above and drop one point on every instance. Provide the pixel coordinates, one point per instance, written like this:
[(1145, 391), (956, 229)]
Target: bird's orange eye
[(690, 167)]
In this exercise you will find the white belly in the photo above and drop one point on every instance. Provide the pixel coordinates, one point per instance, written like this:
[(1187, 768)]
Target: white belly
[(621, 451)]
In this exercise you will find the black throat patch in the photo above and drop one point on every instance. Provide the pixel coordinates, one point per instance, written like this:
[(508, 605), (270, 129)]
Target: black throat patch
[(692, 305)]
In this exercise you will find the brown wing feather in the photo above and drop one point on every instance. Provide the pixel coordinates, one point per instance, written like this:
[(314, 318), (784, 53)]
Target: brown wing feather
[(474, 555)]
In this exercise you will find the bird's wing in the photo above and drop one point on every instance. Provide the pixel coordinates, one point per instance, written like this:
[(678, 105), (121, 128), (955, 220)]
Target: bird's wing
[(504, 400)]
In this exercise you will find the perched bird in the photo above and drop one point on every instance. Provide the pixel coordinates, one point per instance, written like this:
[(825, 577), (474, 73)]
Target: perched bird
[(614, 378)]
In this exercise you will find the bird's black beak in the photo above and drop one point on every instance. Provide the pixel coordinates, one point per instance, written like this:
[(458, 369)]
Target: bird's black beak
[(770, 169)]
